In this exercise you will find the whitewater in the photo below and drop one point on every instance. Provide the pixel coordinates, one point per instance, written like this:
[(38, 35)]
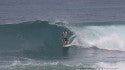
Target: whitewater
[(36, 45), (110, 36)]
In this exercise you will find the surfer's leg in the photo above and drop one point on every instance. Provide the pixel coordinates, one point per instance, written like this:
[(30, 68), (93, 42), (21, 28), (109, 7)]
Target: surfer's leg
[(66, 41)]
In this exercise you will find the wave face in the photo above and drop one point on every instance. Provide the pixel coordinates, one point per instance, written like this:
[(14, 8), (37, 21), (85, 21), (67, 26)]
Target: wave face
[(38, 38), (103, 35)]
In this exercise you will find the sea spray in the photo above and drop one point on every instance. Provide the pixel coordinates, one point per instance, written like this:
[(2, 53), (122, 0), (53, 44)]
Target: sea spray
[(110, 37)]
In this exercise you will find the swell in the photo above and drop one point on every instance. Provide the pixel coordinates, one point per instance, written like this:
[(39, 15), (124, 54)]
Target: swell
[(31, 39)]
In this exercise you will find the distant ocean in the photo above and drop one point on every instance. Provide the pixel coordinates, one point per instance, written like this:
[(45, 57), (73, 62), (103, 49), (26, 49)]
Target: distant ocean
[(30, 33)]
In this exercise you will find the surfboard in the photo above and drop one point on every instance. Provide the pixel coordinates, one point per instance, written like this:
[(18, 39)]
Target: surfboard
[(68, 45)]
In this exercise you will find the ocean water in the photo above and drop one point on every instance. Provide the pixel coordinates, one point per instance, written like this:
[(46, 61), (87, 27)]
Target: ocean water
[(36, 45), (30, 33)]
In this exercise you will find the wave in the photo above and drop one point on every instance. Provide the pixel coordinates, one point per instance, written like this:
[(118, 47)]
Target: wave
[(36, 45), (38, 38), (17, 65), (41, 39)]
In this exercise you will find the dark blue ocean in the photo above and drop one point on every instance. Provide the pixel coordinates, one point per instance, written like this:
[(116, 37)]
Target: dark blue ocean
[(30, 33)]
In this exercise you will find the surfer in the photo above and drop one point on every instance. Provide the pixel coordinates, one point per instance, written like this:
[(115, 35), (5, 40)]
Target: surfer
[(64, 37)]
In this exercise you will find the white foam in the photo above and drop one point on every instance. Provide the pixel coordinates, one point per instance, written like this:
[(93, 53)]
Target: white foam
[(103, 37), (111, 66), (112, 42)]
